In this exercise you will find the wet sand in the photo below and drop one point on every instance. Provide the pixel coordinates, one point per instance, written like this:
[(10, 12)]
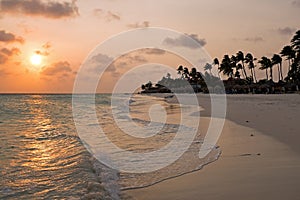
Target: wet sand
[(260, 157)]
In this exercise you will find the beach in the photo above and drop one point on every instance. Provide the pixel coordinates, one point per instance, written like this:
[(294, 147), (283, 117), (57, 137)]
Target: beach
[(260, 154)]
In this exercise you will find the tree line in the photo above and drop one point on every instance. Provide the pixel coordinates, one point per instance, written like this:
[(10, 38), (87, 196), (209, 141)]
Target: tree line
[(241, 70)]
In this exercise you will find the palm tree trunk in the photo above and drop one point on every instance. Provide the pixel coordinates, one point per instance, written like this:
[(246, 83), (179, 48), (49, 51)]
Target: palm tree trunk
[(254, 73), (278, 71), (267, 75), (281, 71), (244, 70)]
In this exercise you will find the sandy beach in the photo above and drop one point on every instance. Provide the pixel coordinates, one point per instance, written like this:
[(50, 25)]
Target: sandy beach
[(260, 154)]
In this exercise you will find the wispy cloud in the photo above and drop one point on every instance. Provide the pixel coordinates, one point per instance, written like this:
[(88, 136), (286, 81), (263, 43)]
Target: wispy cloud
[(49, 8), (296, 3), (143, 24), (128, 59), (254, 39), (45, 49), (152, 51), (286, 31), (6, 53), (62, 67), (191, 41), (106, 15), (9, 37)]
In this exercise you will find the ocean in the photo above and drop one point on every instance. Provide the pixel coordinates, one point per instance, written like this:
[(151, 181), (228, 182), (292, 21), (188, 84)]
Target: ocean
[(42, 156)]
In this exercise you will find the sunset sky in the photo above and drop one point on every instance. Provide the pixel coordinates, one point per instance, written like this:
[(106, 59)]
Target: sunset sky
[(44, 42)]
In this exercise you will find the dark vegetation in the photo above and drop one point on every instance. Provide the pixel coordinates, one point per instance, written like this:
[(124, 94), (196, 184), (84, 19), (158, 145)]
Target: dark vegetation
[(240, 70)]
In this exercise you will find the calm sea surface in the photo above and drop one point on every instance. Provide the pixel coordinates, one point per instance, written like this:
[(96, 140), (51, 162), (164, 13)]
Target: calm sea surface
[(42, 156)]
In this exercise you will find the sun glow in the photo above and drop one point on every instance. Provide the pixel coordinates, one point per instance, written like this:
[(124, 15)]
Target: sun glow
[(36, 59)]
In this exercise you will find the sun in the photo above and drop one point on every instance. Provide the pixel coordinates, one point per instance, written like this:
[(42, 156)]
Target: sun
[(36, 59)]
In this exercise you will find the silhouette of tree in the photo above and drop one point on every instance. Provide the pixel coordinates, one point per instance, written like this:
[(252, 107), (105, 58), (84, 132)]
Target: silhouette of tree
[(277, 60), (180, 70), (289, 53), (217, 63), (168, 76), (249, 59), (208, 67), (265, 65), (241, 58), (193, 75), (186, 73), (296, 42), (237, 75), (226, 66)]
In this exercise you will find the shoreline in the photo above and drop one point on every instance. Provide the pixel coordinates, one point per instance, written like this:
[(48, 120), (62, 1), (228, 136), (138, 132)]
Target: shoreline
[(257, 145)]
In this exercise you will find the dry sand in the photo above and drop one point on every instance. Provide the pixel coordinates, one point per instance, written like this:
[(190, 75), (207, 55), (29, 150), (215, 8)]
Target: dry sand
[(263, 166)]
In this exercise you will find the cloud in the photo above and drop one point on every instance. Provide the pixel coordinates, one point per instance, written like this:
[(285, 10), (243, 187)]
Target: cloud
[(6, 53), (107, 15), (296, 3), (286, 31), (10, 52), (45, 51), (254, 39), (152, 51), (144, 24), (131, 60), (50, 8), (9, 37), (3, 59), (184, 41), (61, 67), (102, 61)]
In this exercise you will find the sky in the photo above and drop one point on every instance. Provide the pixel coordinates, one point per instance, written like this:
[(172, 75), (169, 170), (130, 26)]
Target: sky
[(45, 43)]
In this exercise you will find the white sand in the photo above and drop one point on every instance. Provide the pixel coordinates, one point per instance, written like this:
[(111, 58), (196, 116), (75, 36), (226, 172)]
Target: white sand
[(240, 173)]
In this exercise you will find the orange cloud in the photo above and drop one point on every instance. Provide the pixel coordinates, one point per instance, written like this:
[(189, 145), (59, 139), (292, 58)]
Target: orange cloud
[(49, 9), (9, 37), (58, 68), (107, 15), (6, 53), (144, 24)]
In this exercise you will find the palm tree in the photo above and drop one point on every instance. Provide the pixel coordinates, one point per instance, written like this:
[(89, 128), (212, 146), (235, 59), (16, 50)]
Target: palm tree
[(296, 42), (277, 60), (265, 65), (193, 75), (241, 58), (180, 69), (226, 66), (186, 73), (250, 61), (289, 53), (238, 68), (208, 67), (217, 63)]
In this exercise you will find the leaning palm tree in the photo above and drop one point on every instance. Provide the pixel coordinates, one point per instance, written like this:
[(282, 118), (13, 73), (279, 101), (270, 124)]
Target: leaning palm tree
[(289, 53), (249, 59), (241, 58), (226, 66), (277, 60), (265, 65), (296, 42)]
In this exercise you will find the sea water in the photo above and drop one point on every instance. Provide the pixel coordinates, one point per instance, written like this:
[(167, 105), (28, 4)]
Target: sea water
[(43, 156)]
